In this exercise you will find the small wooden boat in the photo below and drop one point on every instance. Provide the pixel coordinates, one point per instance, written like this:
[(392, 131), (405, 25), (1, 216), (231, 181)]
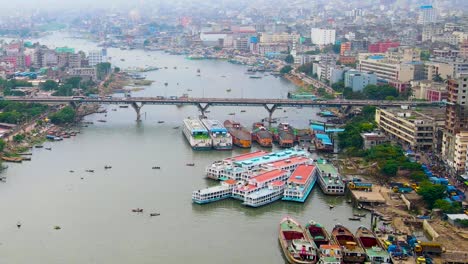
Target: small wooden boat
[(166, 84), (354, 218), (243, 111), (107, 167), (137, 210), (90, 171), (57, 227), (123, 106), (48, 148), (155, 214), (177, 127), (331, 206), (297, 248), (71, 171), (375, 251), (12, 159), (102, 120), (190, 164), (160, 122), (360, 215), (232, 113), (156, 168), (352, 251), (228, 90), (26, 158), (38, 146)]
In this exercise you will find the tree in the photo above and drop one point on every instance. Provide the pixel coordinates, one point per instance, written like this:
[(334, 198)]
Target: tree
[(286, 69), (49, 85), (2, 144), (374, 92), (75, 82), (338, 86), (289, 59), (65, 115), (102, 69), (116, 70), (390, 169), (431, 192), (447, 207), (18, 138)]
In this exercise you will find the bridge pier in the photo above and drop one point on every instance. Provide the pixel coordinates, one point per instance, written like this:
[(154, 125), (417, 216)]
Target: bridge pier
[(137, 110), (271, 109), (74, 105), (202, 108)]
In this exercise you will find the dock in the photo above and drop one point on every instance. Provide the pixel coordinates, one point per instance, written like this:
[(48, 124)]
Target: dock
[(372, 196)]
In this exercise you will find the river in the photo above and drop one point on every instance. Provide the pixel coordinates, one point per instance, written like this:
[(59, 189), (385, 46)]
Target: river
[(94, 209)]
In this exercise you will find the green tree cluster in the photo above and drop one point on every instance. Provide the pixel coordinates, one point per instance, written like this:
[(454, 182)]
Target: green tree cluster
[(289, 59), (374, 92), (448, 207), (351, 138), (2, 145), (102, 70), (63, 116), (306, 69), (14, 112), (286, 69), (431, 193)]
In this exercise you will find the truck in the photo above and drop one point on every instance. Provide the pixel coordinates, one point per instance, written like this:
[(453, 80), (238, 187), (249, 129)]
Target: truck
[(357, 184), (437, 180), (399, 187), (428, 248)]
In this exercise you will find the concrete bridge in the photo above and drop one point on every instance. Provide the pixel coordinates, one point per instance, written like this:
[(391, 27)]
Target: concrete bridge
[(203, 103)]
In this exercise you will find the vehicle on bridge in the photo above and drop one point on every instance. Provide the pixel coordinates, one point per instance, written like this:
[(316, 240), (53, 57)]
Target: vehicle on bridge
[(78, 97)]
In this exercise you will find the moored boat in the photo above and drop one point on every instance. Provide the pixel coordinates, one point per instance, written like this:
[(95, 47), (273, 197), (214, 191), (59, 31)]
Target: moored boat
[(317, 233), (261, 135), (329, 179), (352, 251), (220, 137), (264, 196), (285, 135), (213, 194), (300, 183), (241, 137), (297, 248), (375, 251), (12, 159), (196, 134)]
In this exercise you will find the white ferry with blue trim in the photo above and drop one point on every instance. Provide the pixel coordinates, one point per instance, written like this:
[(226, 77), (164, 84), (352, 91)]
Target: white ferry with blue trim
[(264, 196), (300, 183), (329, 179), (196, 134), (220, 137), (215, 193)]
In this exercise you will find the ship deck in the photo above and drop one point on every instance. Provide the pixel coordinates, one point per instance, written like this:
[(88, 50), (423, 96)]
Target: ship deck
[(302, 174)]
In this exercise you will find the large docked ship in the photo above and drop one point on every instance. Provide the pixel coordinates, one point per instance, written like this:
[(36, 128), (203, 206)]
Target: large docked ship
[(296, 247), (329, 252), (241, 137), (352, 251), (259, 182), (273, 192), (261, 135), (220, 137), (215, 193), (233, 168), (286, 135), (329, 179), (300, 183), (289, 165), (196, 134)]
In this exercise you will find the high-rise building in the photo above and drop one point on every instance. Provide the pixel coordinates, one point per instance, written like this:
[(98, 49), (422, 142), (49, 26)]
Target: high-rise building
[(357, 80), (320, 36), (456, 125), (97, 56), (427, 14)]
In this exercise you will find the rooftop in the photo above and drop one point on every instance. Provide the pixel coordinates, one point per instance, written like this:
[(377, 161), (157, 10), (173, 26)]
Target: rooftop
[(302, 174), (272, 157), (268, 175), (247, 156), (213, 189), (214, 125), (195, 125), (286, 162)]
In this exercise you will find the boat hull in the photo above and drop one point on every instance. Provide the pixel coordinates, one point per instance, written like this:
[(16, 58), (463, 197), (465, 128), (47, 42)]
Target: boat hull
[(241, 143), (276, 198), (284, 246), (210, 200), (354, 254)]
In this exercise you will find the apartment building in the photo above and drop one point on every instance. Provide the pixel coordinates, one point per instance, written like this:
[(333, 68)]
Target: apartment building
[(413, 129), (387, 70)]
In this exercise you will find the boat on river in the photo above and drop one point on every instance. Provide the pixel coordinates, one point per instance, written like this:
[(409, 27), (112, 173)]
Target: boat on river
[(352, 251), (215, 193), (373, 247), (297, 248), (285, 135), (12, 159), (196, 134), (300, 183), (220, 137), (261, 135), (329, 179), (241, 137)]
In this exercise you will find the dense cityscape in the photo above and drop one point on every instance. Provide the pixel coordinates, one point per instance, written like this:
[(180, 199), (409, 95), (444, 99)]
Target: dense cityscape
[(250, 101)]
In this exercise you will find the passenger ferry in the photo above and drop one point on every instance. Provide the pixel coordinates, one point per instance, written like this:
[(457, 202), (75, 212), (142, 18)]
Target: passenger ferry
[(213, 194), (300, 183), (259, 182), (220, 137), (272, 193), (252, 162), (196, 134), (287, 164), (329, 179)]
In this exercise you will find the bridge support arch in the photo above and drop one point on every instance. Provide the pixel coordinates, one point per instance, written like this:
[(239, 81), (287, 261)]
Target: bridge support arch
[(271, 109), (137, 110), (202, 107)]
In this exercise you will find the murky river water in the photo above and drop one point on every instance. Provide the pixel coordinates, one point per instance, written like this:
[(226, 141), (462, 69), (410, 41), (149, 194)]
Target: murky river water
[(95, 212)]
